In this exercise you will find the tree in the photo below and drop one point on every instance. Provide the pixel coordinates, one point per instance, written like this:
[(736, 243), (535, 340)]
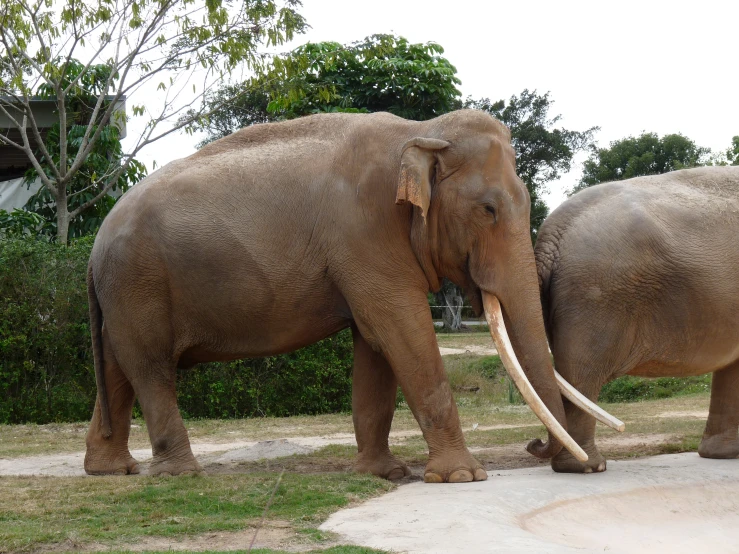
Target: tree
[(646, 154), (380, 73), (730, 156), (131, 44), (104, 159), (543, 153)]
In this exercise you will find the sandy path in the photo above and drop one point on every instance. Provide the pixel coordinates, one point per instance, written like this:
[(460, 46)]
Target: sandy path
[(469, 349), (71, 464)]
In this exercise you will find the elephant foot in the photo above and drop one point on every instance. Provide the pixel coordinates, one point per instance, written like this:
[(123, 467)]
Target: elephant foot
[(384, 465), (724, 446), (457, 467), (122, 464), (564, 462), (165, 467)]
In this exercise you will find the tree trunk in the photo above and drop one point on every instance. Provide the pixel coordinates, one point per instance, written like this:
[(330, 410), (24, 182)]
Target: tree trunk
[(62, 218), (451, 298)]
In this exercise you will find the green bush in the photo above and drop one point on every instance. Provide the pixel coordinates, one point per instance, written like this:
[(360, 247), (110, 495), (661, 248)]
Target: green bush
[(45, 349), (314, 380), (633, 389), (46, 369)]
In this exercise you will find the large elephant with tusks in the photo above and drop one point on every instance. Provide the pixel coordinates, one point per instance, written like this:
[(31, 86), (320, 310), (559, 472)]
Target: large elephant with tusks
[(279, 235)]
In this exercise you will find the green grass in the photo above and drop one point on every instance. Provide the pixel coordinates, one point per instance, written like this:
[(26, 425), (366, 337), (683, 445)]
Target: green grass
[(467, 372), (634, 389), (119, 510)]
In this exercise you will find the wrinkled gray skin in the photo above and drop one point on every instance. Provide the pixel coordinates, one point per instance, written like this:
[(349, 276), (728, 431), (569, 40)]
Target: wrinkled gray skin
[(279, 235), (641, 277)]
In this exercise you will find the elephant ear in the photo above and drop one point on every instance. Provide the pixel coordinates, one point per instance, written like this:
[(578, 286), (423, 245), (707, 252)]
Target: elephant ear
[(417, 169)]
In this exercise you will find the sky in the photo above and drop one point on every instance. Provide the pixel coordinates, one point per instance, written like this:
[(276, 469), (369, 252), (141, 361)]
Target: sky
[(627, 66)]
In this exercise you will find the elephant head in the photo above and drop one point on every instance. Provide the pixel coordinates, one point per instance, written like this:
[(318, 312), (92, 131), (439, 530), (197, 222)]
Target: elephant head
[(471, 225)]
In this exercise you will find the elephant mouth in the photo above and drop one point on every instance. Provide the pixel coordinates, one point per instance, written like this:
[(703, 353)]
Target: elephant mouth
[(472, 291), (474, 295)]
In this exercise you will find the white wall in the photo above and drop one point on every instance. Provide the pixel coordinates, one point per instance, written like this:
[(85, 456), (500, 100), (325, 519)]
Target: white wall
[(15, 194)]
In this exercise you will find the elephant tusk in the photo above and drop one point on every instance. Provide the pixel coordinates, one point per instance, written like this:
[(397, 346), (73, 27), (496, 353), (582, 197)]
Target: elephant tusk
[(494, 316), (582, 402)]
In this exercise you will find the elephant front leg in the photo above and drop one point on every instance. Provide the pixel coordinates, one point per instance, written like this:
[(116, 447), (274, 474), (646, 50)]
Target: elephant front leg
[(374, 390), (720, 437), (414, 356)]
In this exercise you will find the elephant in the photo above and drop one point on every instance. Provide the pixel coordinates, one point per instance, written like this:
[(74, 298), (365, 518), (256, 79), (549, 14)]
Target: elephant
[(282, 234), (641, 277)]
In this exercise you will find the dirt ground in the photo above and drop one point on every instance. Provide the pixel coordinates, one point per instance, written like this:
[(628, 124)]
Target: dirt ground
[(218, 453)]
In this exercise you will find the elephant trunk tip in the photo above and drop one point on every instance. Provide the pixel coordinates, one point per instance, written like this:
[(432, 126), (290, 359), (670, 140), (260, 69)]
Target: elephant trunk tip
[(544, 450)]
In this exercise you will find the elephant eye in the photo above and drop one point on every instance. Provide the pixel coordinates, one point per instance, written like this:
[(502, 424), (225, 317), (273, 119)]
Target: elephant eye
[(491, 210)]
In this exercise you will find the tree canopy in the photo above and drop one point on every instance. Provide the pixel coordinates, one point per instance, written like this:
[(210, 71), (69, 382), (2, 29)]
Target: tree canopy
[(86, 206), (183, 47), (382, 73), (647, 154), (730, 156)]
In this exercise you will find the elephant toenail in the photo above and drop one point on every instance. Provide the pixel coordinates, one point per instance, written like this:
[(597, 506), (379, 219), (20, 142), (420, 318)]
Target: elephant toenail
[(395, 474), (460, 476), (433, 478), (481, 474)]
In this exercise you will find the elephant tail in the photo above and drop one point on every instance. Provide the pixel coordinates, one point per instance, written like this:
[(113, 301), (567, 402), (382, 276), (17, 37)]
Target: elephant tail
[(96, 330), (547, 257)]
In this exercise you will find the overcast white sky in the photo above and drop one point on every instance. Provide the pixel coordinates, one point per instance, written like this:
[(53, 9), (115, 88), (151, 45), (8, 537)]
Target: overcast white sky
[(626, 66)]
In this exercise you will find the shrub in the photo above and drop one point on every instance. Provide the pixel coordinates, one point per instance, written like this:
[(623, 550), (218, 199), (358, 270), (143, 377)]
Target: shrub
[(45, 349), (46, 368), (314, 380)]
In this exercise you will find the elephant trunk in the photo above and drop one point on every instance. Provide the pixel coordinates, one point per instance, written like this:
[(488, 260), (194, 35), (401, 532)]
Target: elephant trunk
[(537, 384)]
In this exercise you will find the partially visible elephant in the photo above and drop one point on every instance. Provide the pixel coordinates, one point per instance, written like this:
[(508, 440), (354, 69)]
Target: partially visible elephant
[(641, 277), (281, 234)]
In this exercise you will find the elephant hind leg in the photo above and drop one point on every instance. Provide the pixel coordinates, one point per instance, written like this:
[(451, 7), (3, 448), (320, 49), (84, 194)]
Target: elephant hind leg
[(720, 438), (374, 390), (110, 456), (156, 390), (580, 425)]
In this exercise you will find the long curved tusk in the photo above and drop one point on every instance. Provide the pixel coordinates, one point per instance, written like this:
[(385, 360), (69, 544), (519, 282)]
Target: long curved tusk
[(582, 402), (494, 315)]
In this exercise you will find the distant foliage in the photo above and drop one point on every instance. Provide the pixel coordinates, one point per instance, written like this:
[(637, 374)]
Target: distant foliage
[(646, 154), (46, 369), (730, 156)]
